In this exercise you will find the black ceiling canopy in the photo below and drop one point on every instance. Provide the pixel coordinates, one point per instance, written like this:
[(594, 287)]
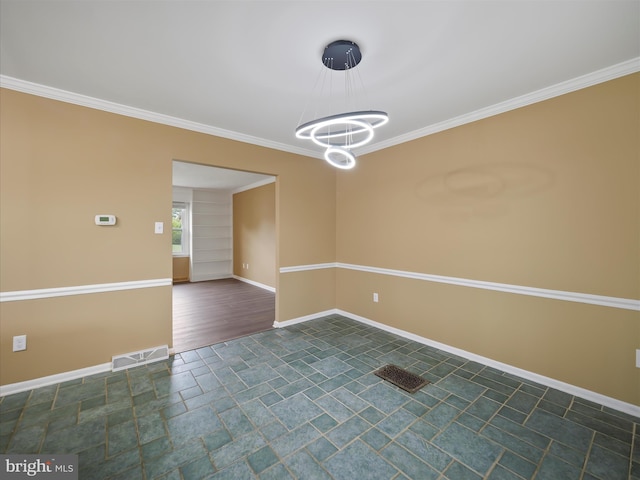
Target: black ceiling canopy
[(341, 55)]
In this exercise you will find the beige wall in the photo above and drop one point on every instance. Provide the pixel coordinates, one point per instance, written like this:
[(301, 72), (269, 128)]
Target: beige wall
[(72, 332), (254, 234), (545, 196), (309, 290), (61, 165), (181, 269)]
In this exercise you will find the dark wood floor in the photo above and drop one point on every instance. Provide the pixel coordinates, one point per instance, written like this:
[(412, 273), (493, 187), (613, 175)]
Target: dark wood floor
[(215, 311)]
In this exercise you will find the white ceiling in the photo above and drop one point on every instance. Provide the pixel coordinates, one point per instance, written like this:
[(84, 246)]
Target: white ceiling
[(202, 176), (246, 69)]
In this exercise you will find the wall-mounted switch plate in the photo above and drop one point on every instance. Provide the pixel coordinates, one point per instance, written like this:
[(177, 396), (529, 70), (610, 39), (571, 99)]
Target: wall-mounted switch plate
[(19, 343), (159, 227), (375, 297), (638, 358)]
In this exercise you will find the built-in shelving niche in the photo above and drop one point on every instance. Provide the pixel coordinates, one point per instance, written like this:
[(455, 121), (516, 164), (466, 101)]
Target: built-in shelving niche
[(211, 235)]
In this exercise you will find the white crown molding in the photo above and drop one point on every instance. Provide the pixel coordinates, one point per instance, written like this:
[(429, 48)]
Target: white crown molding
[(578, 83), (82, 290), (251, 186), (23, 86), (605, 301), (599, 76)]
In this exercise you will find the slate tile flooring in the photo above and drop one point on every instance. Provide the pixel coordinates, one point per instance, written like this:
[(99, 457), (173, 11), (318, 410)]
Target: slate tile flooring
[(302, 403)]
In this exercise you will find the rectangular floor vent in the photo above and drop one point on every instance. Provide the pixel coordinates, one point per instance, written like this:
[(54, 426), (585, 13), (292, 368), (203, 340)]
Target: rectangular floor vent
[(142, 357), (401, 378)]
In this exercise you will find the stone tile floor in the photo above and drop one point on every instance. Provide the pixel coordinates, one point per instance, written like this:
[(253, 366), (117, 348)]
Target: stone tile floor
[(302, 402)]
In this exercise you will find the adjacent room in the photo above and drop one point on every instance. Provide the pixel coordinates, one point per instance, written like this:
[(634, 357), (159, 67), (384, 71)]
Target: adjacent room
[(422, 220), (224, 254)]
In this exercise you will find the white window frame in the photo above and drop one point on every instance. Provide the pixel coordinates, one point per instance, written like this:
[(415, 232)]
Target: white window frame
[(185, 229)]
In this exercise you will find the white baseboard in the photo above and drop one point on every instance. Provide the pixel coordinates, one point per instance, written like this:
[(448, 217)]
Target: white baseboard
[(306, 318), (12, 388), (205, 277), (525, 374), (255, 284)]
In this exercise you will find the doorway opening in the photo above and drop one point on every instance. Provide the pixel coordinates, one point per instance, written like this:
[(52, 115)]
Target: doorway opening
[(224, 254)]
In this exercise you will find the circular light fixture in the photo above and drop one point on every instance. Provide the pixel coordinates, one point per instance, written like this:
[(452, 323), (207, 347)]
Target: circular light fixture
[(340, 158), (341, 139), (343, 131), (372, 118)]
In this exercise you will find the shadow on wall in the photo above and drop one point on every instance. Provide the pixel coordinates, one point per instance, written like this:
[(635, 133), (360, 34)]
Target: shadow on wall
[(482, 191)]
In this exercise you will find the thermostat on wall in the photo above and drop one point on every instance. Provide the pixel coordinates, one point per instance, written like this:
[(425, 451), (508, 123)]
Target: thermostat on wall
[(105, 219)]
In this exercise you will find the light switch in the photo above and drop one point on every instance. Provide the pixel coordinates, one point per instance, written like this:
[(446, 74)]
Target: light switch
[(159, 227), (19, 343)]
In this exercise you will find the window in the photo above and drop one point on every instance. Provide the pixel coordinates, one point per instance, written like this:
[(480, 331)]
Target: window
[(180, 228)]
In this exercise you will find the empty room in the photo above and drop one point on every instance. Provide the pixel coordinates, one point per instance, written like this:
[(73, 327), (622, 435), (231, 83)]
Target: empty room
[(452, 194)]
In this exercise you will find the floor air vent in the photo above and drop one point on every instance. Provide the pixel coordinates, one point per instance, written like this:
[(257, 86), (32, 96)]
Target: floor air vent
[(401, 378), (134, 359)]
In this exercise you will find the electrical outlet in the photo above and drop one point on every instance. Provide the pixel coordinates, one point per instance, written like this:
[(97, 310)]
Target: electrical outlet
[(375, 297), (19, 343)]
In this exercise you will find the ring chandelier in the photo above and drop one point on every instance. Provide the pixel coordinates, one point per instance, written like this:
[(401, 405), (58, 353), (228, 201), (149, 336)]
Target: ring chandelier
[(342, 132)]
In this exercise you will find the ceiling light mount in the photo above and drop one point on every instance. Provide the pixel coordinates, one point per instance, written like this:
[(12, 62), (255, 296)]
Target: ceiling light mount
[(341, 132), (341, 55)]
